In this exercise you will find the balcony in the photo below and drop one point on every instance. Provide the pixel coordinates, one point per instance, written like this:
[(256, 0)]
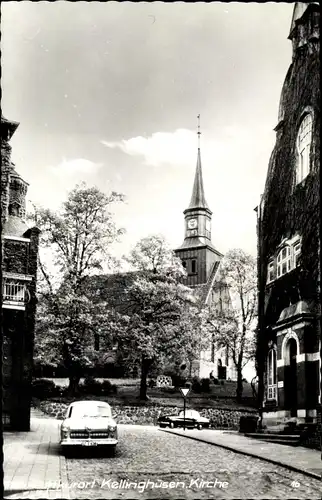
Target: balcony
[(15, 294)]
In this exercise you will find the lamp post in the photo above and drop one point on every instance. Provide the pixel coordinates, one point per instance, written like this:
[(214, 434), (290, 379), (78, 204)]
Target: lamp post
[(184, 391)]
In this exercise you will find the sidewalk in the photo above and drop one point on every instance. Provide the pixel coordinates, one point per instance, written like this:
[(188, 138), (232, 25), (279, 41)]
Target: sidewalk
[(296, 458), (33, 466)]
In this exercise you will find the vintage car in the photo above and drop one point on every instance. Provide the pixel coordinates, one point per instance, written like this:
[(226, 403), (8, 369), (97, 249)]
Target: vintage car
[(88, 423), (191, 420)]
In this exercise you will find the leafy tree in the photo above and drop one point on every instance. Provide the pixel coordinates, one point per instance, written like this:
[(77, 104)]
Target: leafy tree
[(235, 327), (79, 237), (161, 309)]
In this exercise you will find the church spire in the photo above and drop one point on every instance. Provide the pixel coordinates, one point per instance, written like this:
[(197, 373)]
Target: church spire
[(198, 199)]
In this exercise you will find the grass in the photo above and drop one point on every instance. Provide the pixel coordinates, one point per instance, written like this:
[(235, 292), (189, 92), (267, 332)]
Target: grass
[(220, 396)]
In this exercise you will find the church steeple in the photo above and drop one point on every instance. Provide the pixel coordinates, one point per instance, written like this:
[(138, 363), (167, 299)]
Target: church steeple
[(197, 252), (198, 199)]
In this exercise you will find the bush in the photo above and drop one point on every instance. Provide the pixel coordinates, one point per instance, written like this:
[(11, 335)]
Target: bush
[(196, 385), (248, 423), (91, 386), (178, 380), (216, 381), (205, 384), (42, 389), (108, 388)]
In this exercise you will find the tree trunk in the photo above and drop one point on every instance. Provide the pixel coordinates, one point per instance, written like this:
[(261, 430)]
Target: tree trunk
[(239, 392), (73, 384), (145, 366)]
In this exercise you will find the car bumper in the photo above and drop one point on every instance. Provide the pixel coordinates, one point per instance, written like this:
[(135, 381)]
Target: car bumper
[(88, 442)]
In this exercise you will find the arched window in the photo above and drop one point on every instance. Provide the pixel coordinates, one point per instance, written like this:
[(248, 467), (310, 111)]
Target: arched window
[(284, 261), (271, 374), (303, 144)]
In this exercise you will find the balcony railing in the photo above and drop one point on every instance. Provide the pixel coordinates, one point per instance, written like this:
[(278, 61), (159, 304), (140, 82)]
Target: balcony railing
[(14, 294)]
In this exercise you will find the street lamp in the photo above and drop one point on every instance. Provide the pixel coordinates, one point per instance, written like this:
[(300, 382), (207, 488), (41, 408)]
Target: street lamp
[(184, 391)]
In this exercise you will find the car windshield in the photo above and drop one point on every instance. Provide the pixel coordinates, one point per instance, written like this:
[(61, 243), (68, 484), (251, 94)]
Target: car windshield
[(83, 411), (189, 414)]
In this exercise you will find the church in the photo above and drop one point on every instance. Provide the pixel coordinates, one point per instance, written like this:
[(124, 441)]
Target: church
[(288, 228), (201, 260)]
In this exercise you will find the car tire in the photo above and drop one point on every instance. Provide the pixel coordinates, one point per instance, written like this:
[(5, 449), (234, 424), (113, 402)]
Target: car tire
[(199, 427), (171, 425), (112, 451), (67, 452)]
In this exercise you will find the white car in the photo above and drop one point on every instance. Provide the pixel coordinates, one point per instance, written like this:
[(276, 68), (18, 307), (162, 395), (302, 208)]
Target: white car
[(88, 423)]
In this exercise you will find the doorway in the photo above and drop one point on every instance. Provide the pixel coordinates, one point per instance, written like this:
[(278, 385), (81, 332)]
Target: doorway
[(290, 385)]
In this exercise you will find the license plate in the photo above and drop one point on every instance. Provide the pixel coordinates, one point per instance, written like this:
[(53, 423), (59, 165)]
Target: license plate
[(89, 443)]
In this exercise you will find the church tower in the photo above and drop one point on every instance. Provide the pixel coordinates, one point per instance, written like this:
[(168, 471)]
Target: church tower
[(197, 252)]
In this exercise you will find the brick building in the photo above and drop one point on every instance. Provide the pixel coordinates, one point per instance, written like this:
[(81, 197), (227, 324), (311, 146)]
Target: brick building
[(202, 263), (288, 225), (19, 268)]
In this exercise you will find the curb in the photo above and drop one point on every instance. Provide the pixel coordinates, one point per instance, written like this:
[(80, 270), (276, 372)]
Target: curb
[(249, 454)]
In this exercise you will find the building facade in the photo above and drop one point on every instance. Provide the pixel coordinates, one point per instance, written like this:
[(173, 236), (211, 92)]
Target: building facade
[(288, 226), (201, 260), (19, 269)]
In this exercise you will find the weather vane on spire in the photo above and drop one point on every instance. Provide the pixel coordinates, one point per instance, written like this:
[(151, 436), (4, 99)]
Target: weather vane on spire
[(198, 133)]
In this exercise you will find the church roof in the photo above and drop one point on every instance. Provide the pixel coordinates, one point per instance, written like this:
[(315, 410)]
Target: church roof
[(299, 9), (198, 199), (197, 242)]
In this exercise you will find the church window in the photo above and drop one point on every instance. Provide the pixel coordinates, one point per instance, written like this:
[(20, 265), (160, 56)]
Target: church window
[(271, 374), (194, 266), (284, 261), (184, 264), (303, 144), (96, 342)]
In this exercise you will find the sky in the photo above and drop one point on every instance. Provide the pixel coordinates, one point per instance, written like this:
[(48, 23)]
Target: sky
[(108, 93)]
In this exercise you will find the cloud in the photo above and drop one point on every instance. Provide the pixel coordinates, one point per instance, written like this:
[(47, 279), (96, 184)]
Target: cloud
[(160, 148), (75, 167)]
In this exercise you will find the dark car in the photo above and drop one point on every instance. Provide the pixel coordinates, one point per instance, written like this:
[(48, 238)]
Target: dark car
[(191, 420)]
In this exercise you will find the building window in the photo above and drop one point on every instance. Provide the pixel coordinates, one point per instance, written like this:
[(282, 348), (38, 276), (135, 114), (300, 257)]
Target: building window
[(14, 209), (193, 266), (14, 292), (184, 264), (297, 252), (284, 261), (270, 272), (303, 144), (271, 375)]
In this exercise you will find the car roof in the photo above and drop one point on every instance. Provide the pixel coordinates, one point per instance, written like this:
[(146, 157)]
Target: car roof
[(86, 402)]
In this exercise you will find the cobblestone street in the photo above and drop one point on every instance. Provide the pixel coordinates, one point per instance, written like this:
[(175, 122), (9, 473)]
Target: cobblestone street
[(181, 468)]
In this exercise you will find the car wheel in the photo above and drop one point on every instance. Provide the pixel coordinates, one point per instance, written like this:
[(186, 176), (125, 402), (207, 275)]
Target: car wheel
[(112, 451), (67, 452), (171, 425), (199, 427)]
